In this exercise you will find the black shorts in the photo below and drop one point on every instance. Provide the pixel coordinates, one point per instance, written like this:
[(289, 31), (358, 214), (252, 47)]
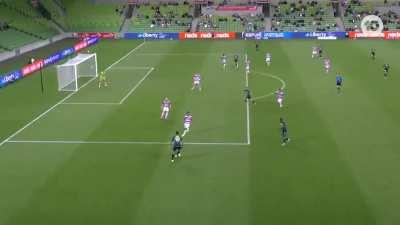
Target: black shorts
[(176, 148), (338, 83)]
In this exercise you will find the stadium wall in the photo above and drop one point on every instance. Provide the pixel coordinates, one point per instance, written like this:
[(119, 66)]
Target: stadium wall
[(33, 46)]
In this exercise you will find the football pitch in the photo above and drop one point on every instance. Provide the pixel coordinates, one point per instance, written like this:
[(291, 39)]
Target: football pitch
[(102, 155)]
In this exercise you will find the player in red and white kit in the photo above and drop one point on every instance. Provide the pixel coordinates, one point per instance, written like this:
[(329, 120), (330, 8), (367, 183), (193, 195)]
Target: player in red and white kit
[(268, 58), (314, 53), (279, 97), (165, 108), (187, 121), (196, 81), (327, 65)]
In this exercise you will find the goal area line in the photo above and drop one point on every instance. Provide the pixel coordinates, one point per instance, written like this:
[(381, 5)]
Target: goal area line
[(125, 142)]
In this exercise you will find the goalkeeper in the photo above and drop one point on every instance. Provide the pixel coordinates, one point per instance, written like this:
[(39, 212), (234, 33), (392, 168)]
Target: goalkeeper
[(103, 80)]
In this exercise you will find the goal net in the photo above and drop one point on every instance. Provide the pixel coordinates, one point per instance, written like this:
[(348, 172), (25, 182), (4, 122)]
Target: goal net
[(68, 74)]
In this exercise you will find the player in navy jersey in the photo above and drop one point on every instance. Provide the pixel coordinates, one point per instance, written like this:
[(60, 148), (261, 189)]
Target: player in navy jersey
[(236, 60), (386, 68), (320, 52), (284, 132), (372, 53), (339, 83), (247, 95), (177, 144)]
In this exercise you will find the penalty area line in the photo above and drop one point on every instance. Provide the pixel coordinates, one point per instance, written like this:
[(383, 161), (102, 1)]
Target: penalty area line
[(124, 142), (66, 98)]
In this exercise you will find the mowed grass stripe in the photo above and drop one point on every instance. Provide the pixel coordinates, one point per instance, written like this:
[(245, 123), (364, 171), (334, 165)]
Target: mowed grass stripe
[(303, 182)]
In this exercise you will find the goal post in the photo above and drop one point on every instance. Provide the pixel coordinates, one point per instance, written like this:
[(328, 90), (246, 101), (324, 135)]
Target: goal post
[(68, 74)]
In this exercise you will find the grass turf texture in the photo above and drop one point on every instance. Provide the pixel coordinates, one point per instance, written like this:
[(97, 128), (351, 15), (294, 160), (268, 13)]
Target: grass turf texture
[(340, 168)]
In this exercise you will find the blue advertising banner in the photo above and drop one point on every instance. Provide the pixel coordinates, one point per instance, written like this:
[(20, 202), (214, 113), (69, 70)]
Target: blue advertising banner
[(274, 35), (52, 59), (10, 77), (152, 36), (40, 63), (66, 52), (315, 35), (293, 35)]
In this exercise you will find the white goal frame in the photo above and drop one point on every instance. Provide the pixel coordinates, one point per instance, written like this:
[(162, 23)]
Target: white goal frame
[(69, 73)]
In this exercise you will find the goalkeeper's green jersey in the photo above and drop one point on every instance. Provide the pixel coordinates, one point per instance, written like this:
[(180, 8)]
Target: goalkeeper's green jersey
[(102, 77)]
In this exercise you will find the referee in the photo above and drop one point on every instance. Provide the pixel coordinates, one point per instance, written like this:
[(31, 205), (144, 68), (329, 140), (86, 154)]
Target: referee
[(176, 146)]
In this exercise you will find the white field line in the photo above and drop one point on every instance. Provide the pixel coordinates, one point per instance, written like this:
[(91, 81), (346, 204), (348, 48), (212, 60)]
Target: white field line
[(66, 98), (90, 103), (136, 86), (124, 142), (274, 77), (131, 68), (44, 113), (185, 53), (125, 56)]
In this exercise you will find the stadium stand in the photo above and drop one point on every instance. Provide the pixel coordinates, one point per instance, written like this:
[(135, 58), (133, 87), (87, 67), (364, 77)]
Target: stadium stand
[(355, 10), (11, 39), (303, 16), (235, 23), (86, 16), (162, 18), (57, 13), (24, 25)]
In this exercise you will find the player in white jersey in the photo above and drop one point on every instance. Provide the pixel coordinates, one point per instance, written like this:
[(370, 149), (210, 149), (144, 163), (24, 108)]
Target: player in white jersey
[(224, 61), (268, 59), (247, 66), (314, 53), (165, 108), (196, 81), (187, 121), (279, 97), (327, 65)]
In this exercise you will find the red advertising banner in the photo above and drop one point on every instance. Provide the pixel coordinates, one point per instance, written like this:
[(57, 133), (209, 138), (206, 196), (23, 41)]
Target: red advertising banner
[(207, 35), (80, 45), (392, 35), (236, 8), (103, 35), (357, 34), (33, 67)]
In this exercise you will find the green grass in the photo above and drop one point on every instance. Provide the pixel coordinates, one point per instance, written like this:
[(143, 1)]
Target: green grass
[(341, 166)]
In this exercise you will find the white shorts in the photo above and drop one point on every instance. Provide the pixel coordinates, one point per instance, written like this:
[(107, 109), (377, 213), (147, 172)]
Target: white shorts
[(279, 100), (268, 60), (165, 109), (314, 53), (186, 126), (197, 82)]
